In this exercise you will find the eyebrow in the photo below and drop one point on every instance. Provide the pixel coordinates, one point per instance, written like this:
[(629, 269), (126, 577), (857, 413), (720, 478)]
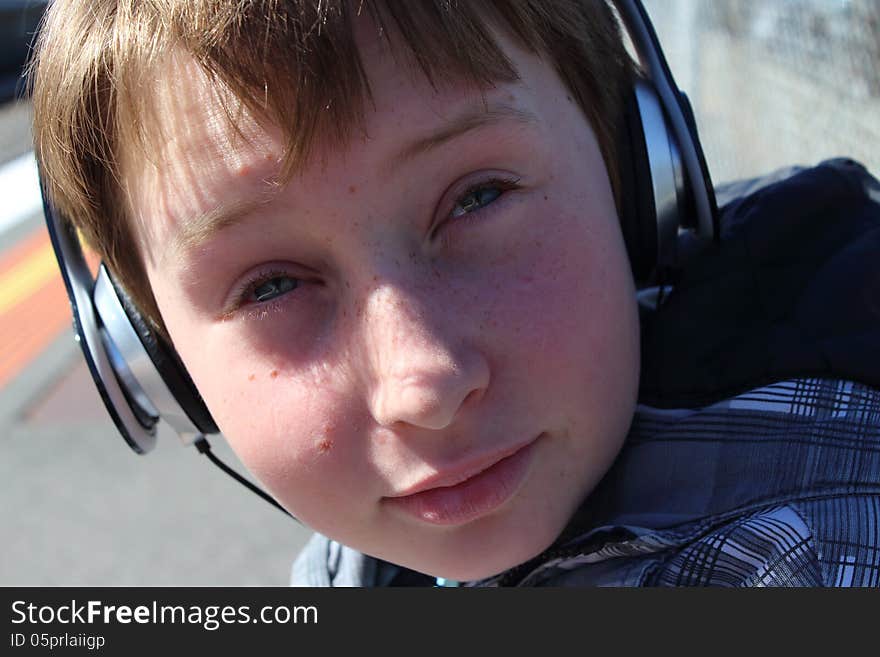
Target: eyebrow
[(471, 119), (206, 225), (201, 228)]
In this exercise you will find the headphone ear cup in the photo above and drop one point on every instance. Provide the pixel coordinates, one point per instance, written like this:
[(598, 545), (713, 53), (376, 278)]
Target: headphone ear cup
[(660, 218), (167, 364), (638, 214)]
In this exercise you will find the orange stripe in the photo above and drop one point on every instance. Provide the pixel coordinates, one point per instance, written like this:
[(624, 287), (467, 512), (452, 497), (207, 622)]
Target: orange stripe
[(23, 250), (25, 352), (48, 302), (16, 336), (32, 244), (44, 308), (23, 281), (30, 326)]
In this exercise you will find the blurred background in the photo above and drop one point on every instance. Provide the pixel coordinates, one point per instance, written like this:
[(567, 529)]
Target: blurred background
[(776, 83), (772, 84)]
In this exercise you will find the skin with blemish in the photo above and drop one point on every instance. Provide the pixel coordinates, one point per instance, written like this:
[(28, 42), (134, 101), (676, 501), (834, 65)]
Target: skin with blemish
[(418, 342)]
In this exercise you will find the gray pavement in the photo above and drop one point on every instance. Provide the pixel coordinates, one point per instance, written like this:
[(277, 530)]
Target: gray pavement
[(79, 508)]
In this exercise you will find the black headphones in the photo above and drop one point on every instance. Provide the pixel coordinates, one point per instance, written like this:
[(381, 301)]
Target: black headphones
[(668, 207), (667, 194)]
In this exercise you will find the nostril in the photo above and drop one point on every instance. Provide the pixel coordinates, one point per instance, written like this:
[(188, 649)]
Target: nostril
[(473, 397)]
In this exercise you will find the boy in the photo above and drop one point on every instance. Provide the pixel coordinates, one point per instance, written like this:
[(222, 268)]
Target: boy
[(384, 241)]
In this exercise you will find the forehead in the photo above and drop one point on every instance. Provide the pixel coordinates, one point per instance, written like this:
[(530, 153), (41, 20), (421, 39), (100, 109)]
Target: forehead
[(203, 141), (195, 132)]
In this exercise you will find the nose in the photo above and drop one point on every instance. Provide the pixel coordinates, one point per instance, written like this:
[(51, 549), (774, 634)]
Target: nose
[(423, 367)]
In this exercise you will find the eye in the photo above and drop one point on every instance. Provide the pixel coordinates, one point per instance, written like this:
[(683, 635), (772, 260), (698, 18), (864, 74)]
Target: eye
[(481, 195), (476, 199), (262, 288), (271, 288)]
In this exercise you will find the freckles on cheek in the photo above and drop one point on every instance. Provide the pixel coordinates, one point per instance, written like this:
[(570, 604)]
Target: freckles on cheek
[(286, 453), (291, 426), (323, 442), (557, 282)]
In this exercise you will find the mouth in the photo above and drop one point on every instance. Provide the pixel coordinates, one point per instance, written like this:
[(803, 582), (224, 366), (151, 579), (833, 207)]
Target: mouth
[(463, 495)]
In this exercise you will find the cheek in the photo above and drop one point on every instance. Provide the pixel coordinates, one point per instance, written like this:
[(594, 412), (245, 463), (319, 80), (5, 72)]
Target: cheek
[(569, 299), (568, 339), (277, 418), (293, 430), (297, 439)]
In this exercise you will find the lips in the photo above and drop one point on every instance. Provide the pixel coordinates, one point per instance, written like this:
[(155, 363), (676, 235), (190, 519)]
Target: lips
[(456, 498)]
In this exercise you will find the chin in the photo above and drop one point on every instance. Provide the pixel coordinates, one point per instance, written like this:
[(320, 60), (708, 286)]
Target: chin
[(481, 569), (485, 554)]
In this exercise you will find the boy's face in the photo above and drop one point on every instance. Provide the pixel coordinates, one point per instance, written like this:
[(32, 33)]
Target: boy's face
[(424, 345)]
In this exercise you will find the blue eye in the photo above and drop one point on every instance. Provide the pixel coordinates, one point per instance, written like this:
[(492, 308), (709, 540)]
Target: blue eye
[(273, 287), (477, 198)]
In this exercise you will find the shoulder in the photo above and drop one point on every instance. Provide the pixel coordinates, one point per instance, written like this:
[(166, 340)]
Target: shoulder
[(826, 542), (791, 290), (324, 562), (788, 491)]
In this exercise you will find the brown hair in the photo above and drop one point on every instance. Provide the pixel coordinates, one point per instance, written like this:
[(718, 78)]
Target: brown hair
[(280, 59)]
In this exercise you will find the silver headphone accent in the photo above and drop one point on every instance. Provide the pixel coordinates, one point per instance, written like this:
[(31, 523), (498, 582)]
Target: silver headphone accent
[(141, 377), (88, 332)]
